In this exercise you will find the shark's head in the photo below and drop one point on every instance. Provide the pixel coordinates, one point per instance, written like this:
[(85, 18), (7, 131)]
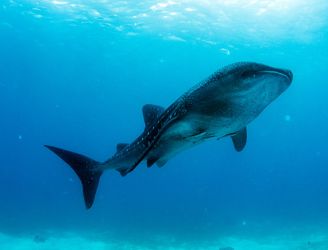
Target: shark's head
[(262, 81), (240, 90)]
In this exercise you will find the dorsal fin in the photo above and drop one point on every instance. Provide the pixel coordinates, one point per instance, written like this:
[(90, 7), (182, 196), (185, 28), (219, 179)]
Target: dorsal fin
[(120, 146), (239, 139), (151, 113)]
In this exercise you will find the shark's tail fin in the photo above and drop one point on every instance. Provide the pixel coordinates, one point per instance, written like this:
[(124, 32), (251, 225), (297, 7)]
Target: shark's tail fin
[(87, 170)]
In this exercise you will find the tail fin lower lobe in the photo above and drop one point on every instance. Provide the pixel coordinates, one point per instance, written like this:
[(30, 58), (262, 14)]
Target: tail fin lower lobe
[(86, 169)]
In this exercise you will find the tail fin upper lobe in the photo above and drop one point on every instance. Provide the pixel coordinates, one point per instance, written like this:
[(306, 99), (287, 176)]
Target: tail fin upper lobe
[(86, 169)]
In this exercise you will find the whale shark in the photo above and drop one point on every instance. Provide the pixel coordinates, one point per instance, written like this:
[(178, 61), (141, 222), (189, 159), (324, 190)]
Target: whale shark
[(220, 106)]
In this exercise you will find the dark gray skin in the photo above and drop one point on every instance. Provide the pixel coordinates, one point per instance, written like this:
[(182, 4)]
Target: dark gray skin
[(222, 105)]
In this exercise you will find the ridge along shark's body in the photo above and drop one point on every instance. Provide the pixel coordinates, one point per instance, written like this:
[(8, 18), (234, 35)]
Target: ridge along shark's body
[(222, 105)]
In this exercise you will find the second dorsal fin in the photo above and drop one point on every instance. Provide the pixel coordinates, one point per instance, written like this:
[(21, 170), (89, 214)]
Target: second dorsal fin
[(151, 113), (120, 146)]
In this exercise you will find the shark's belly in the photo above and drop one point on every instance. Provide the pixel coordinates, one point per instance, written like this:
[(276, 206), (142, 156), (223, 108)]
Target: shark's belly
[(190, 131), (202, 122)]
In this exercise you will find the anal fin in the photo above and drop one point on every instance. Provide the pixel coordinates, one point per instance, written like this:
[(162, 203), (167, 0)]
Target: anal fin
[(151, 161)]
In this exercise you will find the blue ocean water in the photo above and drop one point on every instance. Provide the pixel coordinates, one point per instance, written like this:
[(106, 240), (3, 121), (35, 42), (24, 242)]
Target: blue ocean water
[(75, 74)]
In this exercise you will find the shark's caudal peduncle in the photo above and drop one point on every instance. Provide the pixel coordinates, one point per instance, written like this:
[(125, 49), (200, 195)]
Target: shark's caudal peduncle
[(222, 105)]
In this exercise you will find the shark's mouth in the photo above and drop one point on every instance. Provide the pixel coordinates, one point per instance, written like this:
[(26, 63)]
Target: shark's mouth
[(282, 72)]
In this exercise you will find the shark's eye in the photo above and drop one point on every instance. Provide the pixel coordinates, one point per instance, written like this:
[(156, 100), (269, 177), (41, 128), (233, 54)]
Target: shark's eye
[(248, 74)]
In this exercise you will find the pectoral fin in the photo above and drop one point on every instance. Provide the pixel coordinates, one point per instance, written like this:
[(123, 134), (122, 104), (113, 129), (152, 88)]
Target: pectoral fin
[(239, 139)]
